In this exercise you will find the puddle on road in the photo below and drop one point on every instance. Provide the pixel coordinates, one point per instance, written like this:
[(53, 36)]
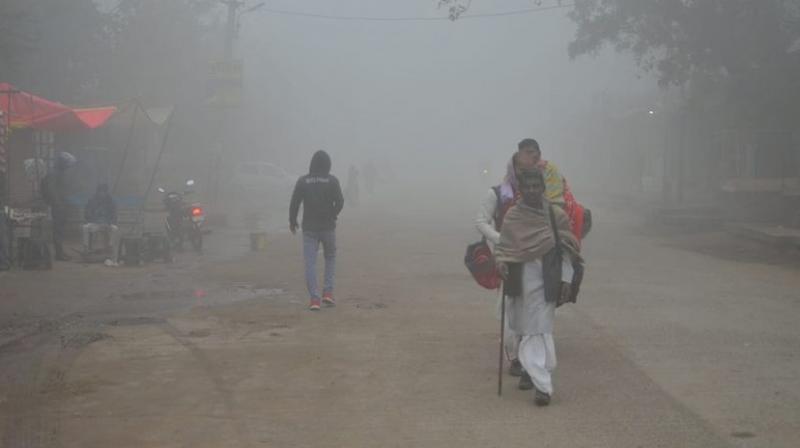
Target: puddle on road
[(742, 435), (155, 295), (204, 333), (254, 291), (140, 320), (371, 306), (235, 293), (364, 304), (80, 340), (240, 293)]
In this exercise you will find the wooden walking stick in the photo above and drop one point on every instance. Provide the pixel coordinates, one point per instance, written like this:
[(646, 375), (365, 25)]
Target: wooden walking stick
[(502, 345)]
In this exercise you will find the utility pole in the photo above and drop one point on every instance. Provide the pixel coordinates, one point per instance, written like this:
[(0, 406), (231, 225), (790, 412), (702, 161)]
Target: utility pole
[(227, 81), (230, 27)]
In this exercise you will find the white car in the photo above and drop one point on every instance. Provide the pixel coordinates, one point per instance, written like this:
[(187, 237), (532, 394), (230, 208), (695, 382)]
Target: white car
[(261, 183)]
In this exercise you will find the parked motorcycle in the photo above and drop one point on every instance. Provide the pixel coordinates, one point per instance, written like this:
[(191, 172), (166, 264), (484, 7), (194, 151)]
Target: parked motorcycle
[(184, 219)]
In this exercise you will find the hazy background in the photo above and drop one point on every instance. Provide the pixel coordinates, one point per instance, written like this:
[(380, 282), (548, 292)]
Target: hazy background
[(430, 97), (677, 103)]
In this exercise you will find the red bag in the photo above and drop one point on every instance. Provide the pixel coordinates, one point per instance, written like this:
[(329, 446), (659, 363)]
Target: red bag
[(480, 263)]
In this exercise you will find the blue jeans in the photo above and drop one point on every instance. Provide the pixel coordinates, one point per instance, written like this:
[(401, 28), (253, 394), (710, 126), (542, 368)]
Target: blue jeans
[(311, 242)]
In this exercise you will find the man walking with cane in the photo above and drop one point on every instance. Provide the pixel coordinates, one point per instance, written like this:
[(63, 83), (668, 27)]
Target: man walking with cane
[(496, 204), (535, 255), (489, 221)]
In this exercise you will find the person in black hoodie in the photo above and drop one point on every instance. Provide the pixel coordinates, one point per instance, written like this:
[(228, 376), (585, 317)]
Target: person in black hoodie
[(321, 196)]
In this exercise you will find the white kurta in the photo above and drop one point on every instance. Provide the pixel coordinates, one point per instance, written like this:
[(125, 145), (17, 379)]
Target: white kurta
[(531, 313), (484, 222), (531, 318), (537, 353)]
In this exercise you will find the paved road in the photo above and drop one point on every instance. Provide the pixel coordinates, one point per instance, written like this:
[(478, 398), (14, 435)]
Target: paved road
[(667, 349)]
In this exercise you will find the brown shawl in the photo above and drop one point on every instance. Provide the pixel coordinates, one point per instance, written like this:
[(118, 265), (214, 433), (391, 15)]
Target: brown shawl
[(527, 234)]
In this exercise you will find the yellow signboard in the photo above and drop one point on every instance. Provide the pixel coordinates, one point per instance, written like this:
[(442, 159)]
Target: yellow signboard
[(225, 84)]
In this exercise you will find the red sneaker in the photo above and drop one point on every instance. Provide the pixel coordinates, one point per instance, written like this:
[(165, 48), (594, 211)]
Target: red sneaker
[(314, 305), (328, 300)]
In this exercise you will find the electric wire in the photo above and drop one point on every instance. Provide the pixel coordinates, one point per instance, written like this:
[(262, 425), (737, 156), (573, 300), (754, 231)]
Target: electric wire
[(413, 19)]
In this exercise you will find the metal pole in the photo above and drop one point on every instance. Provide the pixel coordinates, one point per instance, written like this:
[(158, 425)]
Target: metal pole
[(681, 155), (230, 27), (155, 169), (36, 187), (127, 147), (502, 345), (7, 174), (4, 143), (666, 185), (8, 93)]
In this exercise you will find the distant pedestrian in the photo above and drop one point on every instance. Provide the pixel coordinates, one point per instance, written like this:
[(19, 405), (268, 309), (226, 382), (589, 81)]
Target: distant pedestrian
[(494, 206), (320, 195), (370, 176), (351, 190), (54, 194)]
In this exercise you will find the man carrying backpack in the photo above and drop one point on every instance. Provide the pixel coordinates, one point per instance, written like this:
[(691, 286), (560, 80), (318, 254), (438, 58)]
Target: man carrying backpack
[(494, 206), (501, 198), (557, 190), (321, 196), (537, 256)]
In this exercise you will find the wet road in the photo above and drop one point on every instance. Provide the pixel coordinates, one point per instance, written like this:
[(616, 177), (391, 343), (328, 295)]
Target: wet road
[(667, 347)]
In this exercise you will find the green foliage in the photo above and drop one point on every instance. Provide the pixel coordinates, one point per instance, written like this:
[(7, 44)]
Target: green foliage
[(51, 45), (732, 52), (17, 31), (161, 48), (76, 51)]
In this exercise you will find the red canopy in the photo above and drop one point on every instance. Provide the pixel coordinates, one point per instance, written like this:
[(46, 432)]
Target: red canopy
[(30, 111)]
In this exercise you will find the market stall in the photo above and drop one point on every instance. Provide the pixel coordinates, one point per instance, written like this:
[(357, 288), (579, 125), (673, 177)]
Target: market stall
[(30, 126)]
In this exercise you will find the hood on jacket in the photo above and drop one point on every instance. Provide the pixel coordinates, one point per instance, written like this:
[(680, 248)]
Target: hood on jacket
[(320, 163)]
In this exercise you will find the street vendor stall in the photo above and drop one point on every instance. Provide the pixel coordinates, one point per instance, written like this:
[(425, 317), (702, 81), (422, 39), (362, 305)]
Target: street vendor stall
[(28, 149)]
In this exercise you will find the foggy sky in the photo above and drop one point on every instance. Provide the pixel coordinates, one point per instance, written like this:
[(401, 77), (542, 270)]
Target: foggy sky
[(462, 91)]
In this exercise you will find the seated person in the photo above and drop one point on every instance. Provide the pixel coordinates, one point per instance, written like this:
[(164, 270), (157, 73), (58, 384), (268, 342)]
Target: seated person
[(101, 214)]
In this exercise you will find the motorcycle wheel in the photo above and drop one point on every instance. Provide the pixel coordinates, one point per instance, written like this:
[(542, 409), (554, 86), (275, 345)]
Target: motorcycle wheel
[(197, 241), (48, 257), (167, 253)]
